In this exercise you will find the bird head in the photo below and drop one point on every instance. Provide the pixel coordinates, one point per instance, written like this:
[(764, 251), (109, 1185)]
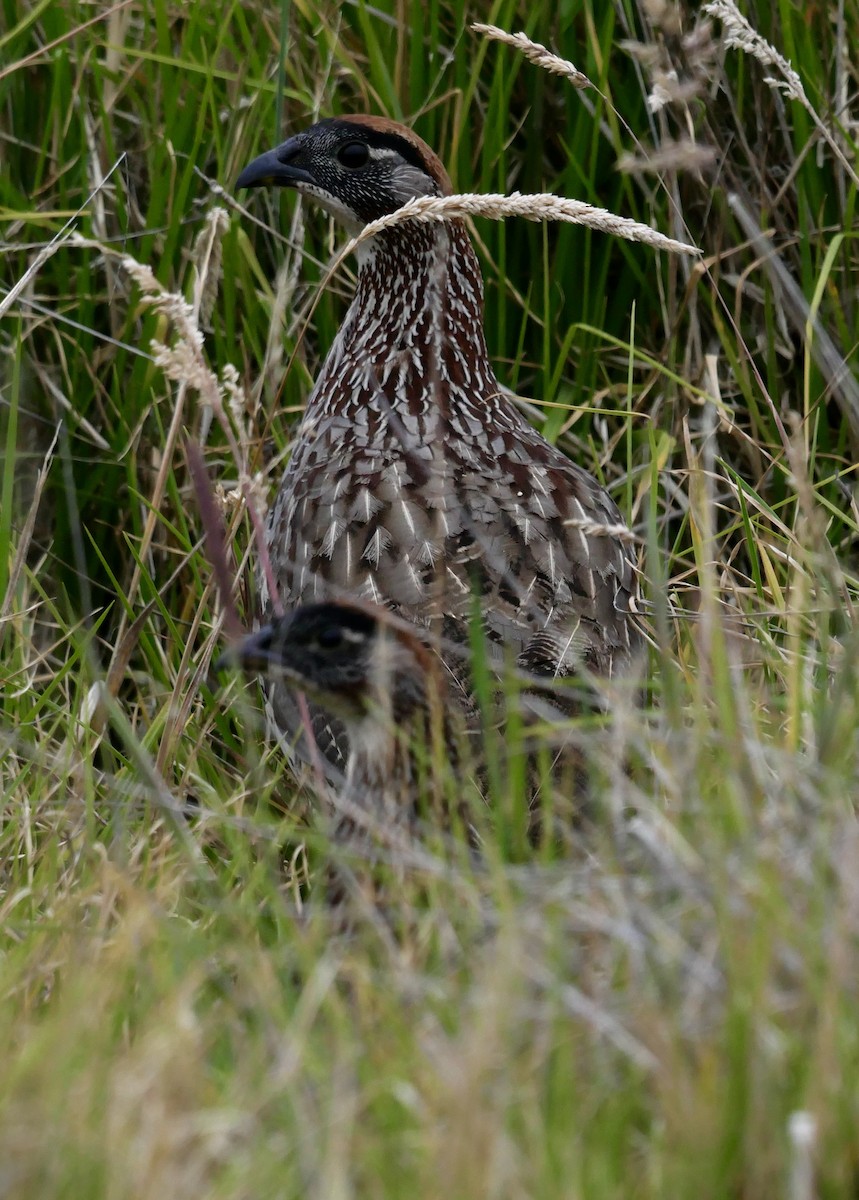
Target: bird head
[(344, 656), (358, 168)]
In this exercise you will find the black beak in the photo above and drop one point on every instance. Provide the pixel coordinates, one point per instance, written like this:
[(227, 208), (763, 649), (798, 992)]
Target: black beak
[(276, 168), (253, 653)]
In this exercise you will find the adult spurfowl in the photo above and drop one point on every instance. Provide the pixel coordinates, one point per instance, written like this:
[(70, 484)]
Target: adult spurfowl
[(414, 482)]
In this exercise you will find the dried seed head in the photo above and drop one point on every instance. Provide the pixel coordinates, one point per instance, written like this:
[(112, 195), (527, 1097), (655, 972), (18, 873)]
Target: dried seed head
[(536, 53)]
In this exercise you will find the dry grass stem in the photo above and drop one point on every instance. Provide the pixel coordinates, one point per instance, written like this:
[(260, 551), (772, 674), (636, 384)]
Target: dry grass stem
[(183, 360), (31, 272), (207, 254), (541, 206), (740, 35), (682, 155), (668, 89), (535, 53), (595, 529), (26, 535), (60, 238), (185, 363)]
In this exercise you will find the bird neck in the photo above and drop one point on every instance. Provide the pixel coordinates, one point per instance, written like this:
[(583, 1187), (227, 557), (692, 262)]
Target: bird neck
[(417, 316), (402, 745)]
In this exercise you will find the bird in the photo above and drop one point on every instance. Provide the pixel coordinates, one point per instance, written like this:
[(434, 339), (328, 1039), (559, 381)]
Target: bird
[(373, 671), (414, 481)]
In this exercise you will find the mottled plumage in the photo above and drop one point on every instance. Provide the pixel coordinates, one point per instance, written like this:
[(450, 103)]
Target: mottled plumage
[(414, 481)]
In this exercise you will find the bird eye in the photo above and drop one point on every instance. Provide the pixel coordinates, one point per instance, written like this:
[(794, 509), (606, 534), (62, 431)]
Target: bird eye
[(330, 638), (353, 155)]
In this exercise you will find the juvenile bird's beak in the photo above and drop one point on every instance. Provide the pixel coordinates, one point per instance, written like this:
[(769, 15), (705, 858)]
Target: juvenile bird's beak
[(252, 653), (275, 168)]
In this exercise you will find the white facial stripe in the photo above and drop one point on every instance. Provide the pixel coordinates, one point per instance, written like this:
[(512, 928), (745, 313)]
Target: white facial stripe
[(352, 635), (379, 152)]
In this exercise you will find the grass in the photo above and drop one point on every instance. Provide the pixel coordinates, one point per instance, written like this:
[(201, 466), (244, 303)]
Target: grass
[(667, 1009)]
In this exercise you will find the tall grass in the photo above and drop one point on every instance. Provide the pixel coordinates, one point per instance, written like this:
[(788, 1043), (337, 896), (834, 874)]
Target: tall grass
[(668, 1008)]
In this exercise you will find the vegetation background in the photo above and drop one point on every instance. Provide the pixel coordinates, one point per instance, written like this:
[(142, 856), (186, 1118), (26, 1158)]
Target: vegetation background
[(672, 1010)]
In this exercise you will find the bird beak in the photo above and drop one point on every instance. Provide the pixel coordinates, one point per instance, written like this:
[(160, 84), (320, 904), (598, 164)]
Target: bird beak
[(252, 653), (275, 168)]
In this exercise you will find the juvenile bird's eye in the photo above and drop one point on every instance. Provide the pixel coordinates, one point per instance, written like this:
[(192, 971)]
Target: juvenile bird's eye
[(353, 155), (330, 638)]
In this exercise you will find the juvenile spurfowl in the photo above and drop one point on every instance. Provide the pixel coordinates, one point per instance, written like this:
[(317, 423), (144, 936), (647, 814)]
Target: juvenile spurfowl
[(371, 671), (414, 482)]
